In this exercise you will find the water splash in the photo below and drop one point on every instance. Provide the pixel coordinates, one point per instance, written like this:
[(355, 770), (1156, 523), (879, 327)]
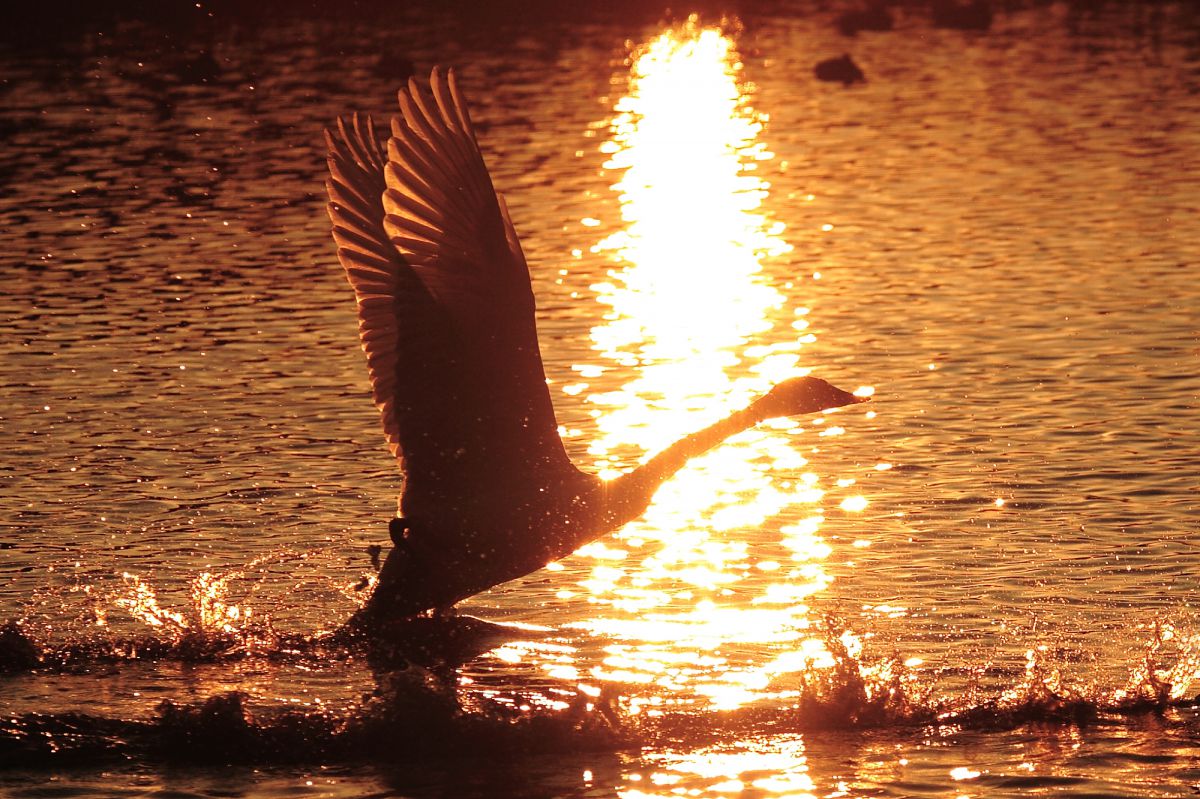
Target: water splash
[(141, 601), (416, 712), (413, 714), (222, 615)]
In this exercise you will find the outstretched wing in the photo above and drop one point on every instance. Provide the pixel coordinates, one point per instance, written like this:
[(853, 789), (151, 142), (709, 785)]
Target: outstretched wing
[(379, 276), (446, 311), (447, 220)]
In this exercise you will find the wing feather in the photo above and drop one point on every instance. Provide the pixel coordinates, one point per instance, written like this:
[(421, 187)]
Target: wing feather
[(446, 310), (373, 268), (444, 216)]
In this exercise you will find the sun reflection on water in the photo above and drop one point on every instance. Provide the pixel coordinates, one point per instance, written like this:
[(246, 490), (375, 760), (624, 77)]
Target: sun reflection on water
[(747, 767), (715, 609)]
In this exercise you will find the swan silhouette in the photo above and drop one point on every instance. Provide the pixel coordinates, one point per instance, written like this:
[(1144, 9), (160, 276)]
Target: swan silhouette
[(446, 319)]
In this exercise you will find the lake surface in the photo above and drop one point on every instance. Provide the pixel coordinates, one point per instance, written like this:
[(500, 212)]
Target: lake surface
[(981, 583)]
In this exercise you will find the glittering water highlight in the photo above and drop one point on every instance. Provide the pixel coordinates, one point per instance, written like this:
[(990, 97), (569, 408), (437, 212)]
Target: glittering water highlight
[(980, 586)]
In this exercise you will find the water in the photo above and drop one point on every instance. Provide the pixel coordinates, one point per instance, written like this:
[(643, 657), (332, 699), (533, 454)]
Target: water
[(981, 583)]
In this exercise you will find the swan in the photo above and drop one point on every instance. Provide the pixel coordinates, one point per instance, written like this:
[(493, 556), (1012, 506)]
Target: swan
[(446, 320)]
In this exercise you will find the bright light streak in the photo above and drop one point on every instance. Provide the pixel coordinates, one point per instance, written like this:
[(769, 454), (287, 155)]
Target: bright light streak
[(690, 308)]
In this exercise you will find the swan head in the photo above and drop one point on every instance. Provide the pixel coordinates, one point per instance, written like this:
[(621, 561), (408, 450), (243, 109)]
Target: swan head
[(799, 395)]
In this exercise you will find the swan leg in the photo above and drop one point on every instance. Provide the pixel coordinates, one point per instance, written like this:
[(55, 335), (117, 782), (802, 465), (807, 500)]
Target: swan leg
[(388, 586)]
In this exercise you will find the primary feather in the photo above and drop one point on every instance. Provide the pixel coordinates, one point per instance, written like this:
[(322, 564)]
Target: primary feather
[(446, 311)]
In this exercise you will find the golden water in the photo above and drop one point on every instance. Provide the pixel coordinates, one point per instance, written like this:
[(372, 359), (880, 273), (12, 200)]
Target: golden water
[(991, 236), (717, 562)]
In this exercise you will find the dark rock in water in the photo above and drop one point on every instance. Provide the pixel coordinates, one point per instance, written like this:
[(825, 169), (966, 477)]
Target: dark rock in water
[(839, 70), (871, 17), (973, 16), (18, 652)]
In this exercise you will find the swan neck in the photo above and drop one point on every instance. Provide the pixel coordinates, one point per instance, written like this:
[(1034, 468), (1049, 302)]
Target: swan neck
[(628, 496)]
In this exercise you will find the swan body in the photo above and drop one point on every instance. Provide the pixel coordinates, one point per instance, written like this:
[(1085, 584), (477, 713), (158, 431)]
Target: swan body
[(446, 320)]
